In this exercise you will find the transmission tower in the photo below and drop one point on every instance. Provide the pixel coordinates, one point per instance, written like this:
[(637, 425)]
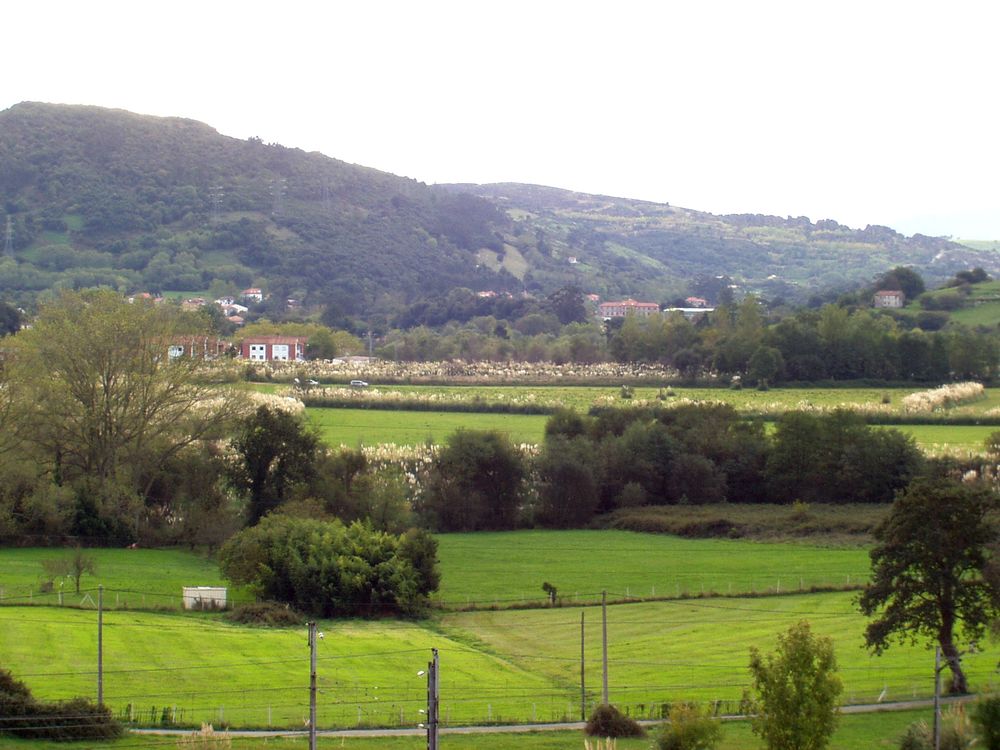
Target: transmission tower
[(8, 243), (216, 194), (278, 187)]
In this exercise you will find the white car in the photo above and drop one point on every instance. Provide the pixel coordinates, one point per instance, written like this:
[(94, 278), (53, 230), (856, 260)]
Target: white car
[(358, 384)]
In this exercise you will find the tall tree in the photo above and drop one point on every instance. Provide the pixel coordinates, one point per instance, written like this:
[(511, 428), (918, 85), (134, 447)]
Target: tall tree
[(928, 570), (104, 401), (275, 451)]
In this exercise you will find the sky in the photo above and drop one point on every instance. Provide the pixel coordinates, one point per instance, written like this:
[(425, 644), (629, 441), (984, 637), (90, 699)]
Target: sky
[(874, 112)]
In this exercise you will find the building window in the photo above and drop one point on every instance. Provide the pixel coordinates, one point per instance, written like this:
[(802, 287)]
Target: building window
[(258, 352), (279, 352)]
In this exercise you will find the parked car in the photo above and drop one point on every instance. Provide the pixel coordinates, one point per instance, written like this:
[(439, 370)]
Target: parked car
[(359, 384)]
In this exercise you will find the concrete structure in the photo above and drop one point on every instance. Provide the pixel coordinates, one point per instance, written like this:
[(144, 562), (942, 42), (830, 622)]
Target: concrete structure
[(204, 597)]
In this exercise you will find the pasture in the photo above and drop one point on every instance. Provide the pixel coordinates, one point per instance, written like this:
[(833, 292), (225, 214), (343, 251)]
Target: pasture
[(496, 667), (356, 427), (505, 568)]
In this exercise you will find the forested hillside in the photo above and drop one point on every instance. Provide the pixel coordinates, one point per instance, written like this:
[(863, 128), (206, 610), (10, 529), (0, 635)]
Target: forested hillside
[(91, 197)]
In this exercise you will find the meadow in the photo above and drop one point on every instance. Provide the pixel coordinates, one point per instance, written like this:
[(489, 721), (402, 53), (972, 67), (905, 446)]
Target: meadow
[(496, 667), (854, 732), (356, 427), (486, 569), (505, 568)]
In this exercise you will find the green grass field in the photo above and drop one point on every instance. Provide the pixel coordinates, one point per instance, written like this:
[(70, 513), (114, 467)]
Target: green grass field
[(507, 567), (355, 427), (495, 666), (499, 568), (854, 732), (133, 578)]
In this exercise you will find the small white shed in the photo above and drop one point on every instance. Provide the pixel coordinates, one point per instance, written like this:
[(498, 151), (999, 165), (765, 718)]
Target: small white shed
[(204, 597)]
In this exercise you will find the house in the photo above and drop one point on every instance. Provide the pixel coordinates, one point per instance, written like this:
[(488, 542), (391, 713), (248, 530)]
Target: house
[(225, 301), (253, 294), (889, 298), (193, 303), (572, 260), (608, 310), (232, 309), (200, 347), (274, 349), (695, 302)]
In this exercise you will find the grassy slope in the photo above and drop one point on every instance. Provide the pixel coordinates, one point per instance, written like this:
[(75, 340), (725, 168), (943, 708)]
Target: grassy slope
[(504, 666)]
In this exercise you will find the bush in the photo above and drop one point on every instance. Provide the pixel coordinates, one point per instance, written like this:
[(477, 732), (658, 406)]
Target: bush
[(608, 721), (688, 729), (265, 614), (917, 736), (986, 717), (76, 719), (330, 570)]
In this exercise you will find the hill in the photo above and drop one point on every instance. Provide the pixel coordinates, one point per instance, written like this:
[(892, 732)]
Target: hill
[(622, 246), (105, 197)]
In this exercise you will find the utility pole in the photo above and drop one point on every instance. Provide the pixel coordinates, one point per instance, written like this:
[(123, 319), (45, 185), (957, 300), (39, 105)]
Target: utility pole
[(100, 645), (604, 643), (583, 689), (312, 686), (432, 701)]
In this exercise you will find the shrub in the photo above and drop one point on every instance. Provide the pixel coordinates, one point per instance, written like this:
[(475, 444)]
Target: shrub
[(917, 736), (266, 614), (689, 728), (76, 719), (608, 721), (986, 717)]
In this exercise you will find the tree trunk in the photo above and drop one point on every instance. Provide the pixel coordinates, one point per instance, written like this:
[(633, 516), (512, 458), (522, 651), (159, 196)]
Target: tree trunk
[(958, 684)]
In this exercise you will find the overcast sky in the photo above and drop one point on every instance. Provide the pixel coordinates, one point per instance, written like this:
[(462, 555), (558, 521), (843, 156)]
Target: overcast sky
[(864, 112)]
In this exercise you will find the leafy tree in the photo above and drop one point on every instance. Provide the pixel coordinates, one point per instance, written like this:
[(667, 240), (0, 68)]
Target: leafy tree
[(10, 319), (906, 280), (476, 482), (570, 483), (928, 570), (275, 450), (102, 403), (328, 569), (795, 691), (567, 305)]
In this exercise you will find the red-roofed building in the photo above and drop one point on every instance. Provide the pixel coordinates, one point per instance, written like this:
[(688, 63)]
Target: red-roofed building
[(274, 349), (609, 310)]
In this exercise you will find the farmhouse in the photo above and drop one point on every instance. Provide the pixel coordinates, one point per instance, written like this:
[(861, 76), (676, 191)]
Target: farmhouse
[(888, 298), (274, 349), (608, 310), (253, 294)]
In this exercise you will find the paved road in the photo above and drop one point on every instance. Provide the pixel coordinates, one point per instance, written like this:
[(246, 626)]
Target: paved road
[(520, 728)]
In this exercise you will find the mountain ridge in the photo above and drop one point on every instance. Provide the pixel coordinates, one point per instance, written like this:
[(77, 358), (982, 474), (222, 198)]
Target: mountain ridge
[(108, 197)]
